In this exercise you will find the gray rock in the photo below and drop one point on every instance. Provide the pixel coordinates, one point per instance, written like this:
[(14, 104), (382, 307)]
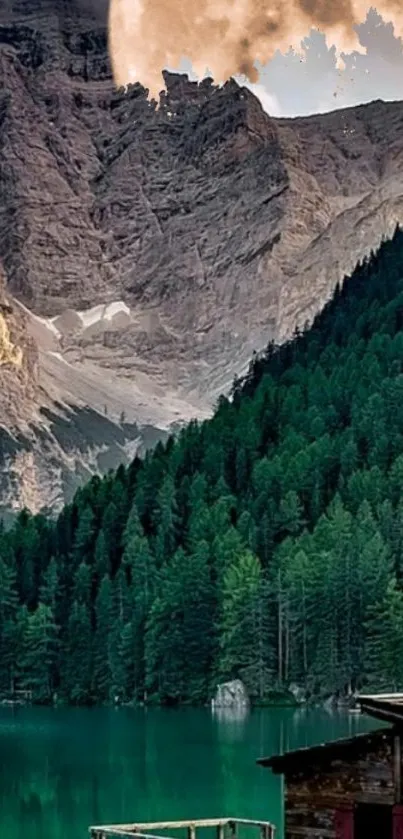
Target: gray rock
[(298, 693), (231, 695)]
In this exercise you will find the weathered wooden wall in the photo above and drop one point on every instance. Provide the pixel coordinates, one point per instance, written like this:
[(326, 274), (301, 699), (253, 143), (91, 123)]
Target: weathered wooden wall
[(315, 792)]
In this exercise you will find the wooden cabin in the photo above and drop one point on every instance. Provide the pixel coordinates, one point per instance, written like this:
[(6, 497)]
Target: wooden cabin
[(347, 789)]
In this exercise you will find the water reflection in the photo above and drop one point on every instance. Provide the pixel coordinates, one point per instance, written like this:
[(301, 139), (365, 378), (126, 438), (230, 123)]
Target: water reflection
[(231, 719)]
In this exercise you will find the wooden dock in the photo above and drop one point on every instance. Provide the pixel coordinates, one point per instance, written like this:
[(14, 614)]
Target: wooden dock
[(224, 829)]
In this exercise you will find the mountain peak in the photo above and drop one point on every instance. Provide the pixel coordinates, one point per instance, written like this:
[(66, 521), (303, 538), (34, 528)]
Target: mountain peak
[(221, 124)]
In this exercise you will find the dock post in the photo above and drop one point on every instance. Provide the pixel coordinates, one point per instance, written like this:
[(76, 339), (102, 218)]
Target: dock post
[(233, 830), (191, 832)]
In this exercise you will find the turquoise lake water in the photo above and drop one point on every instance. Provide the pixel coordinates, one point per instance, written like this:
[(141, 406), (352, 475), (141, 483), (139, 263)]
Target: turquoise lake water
[(62, 770)]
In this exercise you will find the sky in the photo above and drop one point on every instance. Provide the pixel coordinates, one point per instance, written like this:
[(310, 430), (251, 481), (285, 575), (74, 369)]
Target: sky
[(309, 81), (328, 66), (314, 78)]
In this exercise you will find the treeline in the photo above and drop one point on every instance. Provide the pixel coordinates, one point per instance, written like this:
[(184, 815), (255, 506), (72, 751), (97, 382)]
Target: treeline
[(265, 543)]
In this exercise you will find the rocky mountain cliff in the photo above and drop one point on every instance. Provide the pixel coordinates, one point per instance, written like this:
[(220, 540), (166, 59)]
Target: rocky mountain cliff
[(148, 252)]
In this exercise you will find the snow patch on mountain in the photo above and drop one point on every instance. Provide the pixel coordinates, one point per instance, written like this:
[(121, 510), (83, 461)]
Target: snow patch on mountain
[(105, 311)]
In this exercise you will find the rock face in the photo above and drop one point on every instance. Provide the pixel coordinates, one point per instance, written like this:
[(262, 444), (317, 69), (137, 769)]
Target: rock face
[(231, 695), (147, 253), (298, 693)]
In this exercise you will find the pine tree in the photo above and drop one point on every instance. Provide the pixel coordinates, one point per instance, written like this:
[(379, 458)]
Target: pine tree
[(102, 671), (101, 557), (82, 584), (41, 644), (120, 617), (49, 588), (77, 658), (139, 561), (242, 623), (199, 636), (167, 520), (28, 558), (8, 629), (165, 655), (84, 535), (385, 641)]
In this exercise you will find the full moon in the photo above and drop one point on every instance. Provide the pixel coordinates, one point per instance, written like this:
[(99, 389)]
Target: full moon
[(124, 22)]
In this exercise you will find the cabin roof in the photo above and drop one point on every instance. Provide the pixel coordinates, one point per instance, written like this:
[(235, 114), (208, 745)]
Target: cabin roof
[(324, 752), (383, 706), (387, 707)]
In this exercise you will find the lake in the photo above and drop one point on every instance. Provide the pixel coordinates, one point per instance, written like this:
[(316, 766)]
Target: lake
[(64, 769)]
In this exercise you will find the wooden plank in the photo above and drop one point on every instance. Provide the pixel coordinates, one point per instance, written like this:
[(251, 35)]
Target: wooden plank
[(174, 825), (139, 827), (310, 833), (252, 823), (115, 832), (124, 830)]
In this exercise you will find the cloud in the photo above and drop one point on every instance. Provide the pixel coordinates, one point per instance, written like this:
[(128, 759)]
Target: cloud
[(232, 37), (269, 101), (315, 78)]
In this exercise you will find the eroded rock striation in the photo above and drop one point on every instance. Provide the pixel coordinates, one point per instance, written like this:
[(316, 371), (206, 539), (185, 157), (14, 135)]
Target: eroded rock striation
[(148, 252)]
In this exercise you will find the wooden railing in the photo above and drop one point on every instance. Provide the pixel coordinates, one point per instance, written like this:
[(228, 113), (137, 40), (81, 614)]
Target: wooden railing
[(225, 829)]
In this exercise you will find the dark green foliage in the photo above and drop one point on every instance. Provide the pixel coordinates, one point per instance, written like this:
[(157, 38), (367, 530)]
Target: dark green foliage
[(265, 543)]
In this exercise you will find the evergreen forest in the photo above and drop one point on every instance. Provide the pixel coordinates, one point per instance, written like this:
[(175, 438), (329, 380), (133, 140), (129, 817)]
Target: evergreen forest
[(264, 544)]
